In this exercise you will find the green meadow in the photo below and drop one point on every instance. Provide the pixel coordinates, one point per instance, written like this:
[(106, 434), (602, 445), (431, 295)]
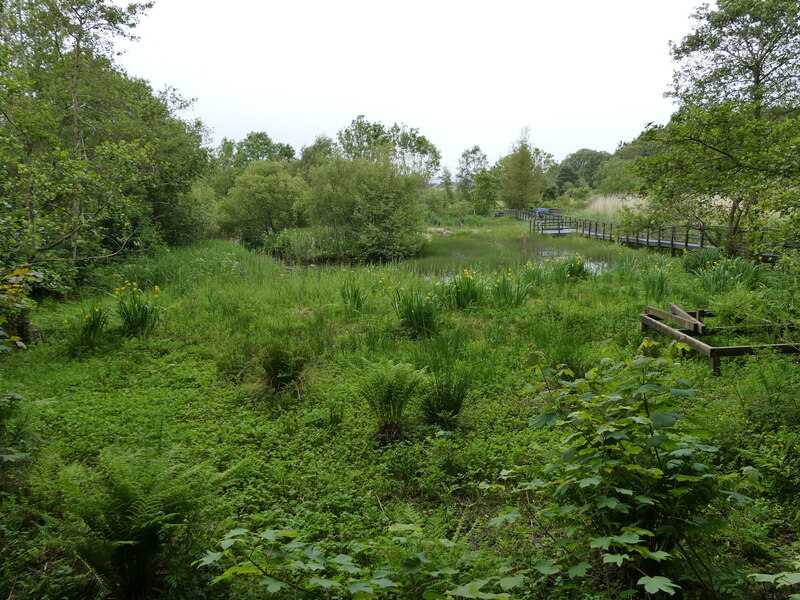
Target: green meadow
[(335, 402)]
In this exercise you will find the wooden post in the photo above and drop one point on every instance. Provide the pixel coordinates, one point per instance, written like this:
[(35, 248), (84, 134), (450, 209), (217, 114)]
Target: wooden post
[(672, 242), (714, 364), (702, 237), (648, 237), (686, 243)]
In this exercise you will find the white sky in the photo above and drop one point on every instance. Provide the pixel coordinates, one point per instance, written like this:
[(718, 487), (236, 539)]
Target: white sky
[(579, 73)]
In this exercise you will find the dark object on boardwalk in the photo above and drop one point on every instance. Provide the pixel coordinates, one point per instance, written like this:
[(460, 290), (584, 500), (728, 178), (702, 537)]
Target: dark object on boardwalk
[(691, 325)]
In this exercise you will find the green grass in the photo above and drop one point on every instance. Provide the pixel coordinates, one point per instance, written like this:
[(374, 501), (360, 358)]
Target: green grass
[(303, 456)]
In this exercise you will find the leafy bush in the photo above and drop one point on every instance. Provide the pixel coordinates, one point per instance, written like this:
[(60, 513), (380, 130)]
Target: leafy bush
[(370, 204), (635, 487), (139, 311), (442, 404), (10, 431), (388, 387), (411, 565), (15, 301), (417, 311)]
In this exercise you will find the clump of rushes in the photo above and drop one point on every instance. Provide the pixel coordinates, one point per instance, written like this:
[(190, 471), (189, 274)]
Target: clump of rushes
[(655, 283), (509, 291), (442, 405), (139, 311), (88, 332), (388, 387), (570, 268), (417, 311), (353, 296), (463, 291)]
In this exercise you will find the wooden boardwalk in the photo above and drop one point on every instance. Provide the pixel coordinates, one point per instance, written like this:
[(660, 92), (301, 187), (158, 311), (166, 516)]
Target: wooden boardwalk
[(676, 238)]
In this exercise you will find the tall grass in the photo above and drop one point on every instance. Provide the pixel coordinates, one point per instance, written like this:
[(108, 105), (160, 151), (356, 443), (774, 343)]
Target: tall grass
[(417, 311)]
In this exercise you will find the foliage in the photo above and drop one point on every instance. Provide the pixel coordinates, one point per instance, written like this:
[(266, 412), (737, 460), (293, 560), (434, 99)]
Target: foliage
[(410, 152), (442, 404), (417, 310), (722, 158), (747, 51), (369, 204), (525, 172), (139, 311), (655, 283), (9, 430), (387, 387), (124, 516), (635, 486), (472, 162), (410, 565), (93, 160), (262, 201), (258, 146), (15, 300)]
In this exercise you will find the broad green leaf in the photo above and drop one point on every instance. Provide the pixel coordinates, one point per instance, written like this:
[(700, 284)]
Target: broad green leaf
[(507, 517), (661, 420), (209, 558), (589, 481), (546, 567), (617, 559), (235, 532), (324, 583), (629, 537), (658, 584), (579, 570), (508, 583), (433, 595), (384, 583), (360, 588), (273, 585), (603, 542)]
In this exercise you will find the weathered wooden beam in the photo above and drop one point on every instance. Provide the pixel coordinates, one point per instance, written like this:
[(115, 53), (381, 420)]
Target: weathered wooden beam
[(699, 326), (686, 322), (675, 334), (744, 350)]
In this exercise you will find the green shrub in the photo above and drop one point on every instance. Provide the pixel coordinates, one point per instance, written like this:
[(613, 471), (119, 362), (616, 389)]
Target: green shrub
[(388, 387), (10, 429), (635, 486), (140, 312), (441, 405), (417, 311)]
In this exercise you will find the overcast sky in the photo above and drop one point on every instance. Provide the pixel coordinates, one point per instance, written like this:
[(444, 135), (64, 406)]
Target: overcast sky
[(578, 73)]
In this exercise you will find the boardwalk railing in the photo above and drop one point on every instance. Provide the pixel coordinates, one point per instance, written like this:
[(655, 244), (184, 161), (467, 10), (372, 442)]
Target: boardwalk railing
[(677, 237)]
